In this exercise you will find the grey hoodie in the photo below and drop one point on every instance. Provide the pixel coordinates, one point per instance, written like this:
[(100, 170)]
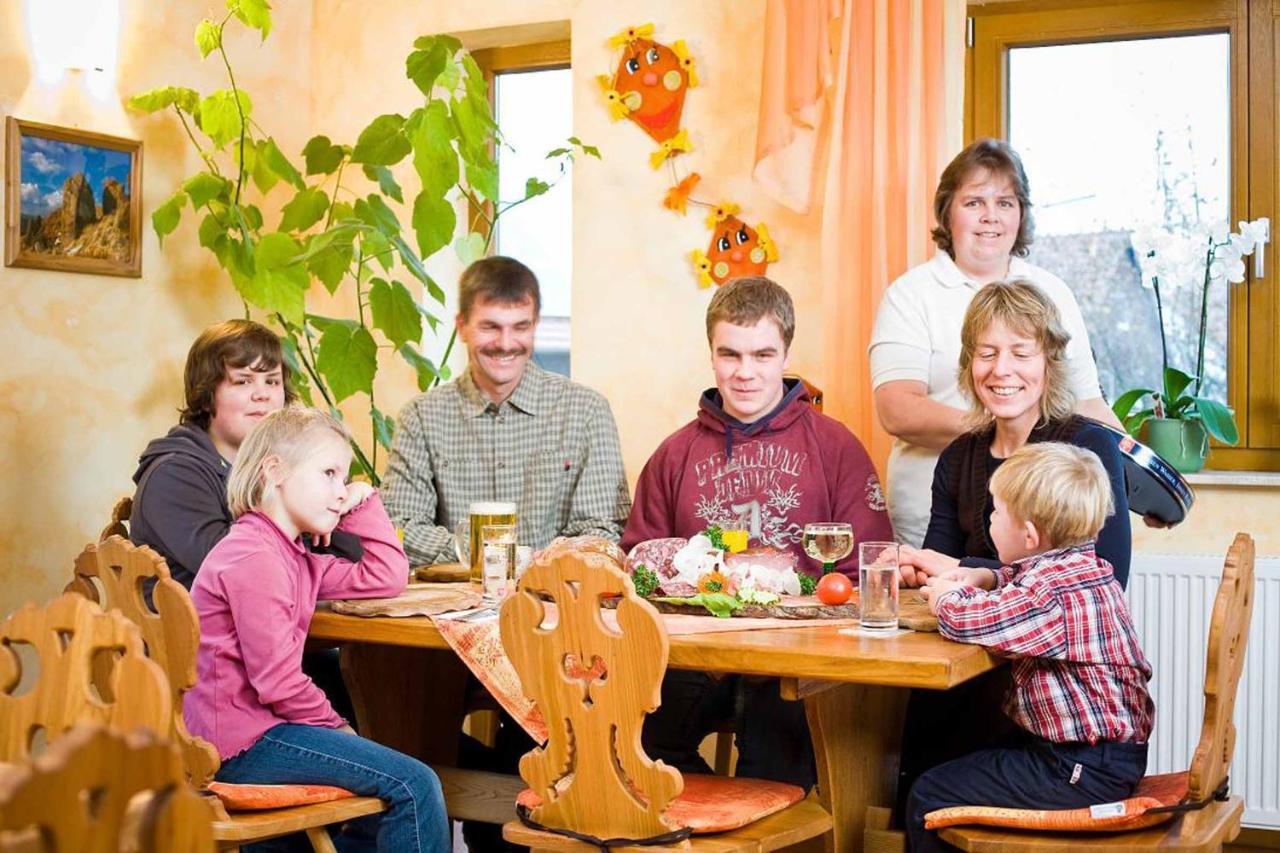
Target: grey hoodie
[(180, 505)]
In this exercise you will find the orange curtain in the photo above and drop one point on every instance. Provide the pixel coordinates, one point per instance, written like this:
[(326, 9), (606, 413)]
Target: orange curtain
[(860, 110)]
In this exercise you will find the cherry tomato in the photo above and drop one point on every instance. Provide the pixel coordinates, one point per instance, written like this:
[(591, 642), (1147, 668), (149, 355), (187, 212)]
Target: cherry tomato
[(834, 588)]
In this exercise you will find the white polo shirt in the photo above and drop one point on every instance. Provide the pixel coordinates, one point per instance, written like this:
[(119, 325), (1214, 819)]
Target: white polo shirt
[(917, 337)]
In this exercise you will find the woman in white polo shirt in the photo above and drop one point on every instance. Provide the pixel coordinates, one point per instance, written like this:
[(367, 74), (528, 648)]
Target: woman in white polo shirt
[(983, 208)]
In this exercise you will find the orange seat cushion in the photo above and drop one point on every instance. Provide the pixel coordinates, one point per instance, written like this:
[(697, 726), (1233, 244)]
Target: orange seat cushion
[(1152, 792), (245, 798), (716, 803)]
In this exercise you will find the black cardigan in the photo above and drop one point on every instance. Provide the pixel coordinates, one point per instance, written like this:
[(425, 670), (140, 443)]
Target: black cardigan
[(960, 521)]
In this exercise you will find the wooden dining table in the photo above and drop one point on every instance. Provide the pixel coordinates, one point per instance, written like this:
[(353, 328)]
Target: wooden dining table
[(409, 691)]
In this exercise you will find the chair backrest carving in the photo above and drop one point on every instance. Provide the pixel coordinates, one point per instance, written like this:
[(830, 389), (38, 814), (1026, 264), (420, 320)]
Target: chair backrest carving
[(171, 630), (1224, 663), (66, 636), (80, 796), (120, 514), (594, 683)]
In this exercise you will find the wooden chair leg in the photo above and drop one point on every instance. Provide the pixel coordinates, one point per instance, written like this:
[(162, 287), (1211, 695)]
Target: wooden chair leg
[(320, 840), (724, 753)]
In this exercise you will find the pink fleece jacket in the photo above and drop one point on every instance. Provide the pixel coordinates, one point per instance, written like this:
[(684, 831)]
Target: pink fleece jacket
[(255, 594)]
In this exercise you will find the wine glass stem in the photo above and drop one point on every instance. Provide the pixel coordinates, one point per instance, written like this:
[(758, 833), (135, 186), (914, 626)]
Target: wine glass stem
[(828, 567)]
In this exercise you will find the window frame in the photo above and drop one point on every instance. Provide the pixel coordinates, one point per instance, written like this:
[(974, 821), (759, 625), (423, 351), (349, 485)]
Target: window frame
[(1253, 353)]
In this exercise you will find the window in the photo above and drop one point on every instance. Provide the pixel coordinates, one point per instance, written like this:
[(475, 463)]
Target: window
[(532, 93), (1140, 115)]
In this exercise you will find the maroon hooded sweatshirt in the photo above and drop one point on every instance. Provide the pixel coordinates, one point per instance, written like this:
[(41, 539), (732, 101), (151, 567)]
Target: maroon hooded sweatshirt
[(771, 477)]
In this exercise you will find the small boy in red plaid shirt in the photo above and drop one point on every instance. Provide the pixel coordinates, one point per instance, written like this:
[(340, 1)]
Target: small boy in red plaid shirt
[(1079, 676)]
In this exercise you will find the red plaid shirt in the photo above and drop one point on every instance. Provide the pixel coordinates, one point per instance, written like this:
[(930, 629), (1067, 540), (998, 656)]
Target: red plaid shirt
[(1078, 671)]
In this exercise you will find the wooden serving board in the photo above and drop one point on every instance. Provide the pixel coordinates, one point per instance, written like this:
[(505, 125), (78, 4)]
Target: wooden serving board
[(417, 600), (913, 611), (443, 573)]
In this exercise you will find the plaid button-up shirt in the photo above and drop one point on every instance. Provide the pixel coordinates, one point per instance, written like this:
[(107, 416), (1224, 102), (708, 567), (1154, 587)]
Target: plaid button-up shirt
[(551, 448), (1079, 673)]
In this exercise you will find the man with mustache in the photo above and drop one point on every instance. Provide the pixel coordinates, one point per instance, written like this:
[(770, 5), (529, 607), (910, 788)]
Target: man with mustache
[(505, 430)]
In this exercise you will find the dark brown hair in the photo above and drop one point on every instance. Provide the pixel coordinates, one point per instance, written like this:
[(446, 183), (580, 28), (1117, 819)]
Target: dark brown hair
[(744, 301), (500, 279), (220, 348), (998, 158)]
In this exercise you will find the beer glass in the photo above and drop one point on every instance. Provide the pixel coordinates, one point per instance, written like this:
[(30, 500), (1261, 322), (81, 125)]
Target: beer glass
[(498, 560), (482, 513), (878, 586)]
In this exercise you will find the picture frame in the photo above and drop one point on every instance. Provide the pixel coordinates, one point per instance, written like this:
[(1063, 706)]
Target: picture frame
[(72, 200)]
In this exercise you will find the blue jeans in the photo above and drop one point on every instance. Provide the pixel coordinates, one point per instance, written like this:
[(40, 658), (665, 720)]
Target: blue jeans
[(415, 820), (1032, 773)]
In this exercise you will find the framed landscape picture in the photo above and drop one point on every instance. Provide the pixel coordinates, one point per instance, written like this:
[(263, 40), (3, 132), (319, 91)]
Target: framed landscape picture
[(72, 200)]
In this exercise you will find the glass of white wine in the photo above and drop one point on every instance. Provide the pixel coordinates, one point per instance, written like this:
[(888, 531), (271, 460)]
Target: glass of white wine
[(828, 542)]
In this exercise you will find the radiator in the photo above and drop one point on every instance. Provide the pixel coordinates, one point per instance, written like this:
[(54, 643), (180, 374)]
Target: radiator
[(1171, 596)]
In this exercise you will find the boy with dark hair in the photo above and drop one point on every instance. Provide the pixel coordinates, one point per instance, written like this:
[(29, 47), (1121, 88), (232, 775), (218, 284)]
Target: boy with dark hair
[(1080, 678), (759, 457)]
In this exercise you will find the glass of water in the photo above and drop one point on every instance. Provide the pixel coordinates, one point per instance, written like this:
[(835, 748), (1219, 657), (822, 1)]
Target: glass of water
[(498, 560), (878, 586)]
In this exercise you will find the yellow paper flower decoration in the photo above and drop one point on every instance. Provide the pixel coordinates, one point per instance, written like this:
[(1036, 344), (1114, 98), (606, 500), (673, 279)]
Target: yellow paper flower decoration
[(702, 264), (679, 142), (681, 50), (720, 213), (630, 34), (618, 108), (766, 242)]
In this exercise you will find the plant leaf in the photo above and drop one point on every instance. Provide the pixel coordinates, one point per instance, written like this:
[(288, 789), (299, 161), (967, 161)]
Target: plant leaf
[(306, 209), (1125, 402), (395, 313), (256, 165), (383, 142), (434, 222), (297, 375), (386, 181), (165, 218), (372, 210), (219, 118), (384, 427), (254, 13), (1133, 423), (274, 157), (422, 365), (424, 65), (208, 37), (469, 249), (348, 360), (1175, 384), (533, 187), (157, 99), (433, 154), (204, 187), (1217, 419), (321, 155), (279, 281)]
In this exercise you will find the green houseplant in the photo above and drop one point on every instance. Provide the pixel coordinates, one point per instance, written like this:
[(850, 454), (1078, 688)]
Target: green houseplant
[(338, 224), (1179, 417)]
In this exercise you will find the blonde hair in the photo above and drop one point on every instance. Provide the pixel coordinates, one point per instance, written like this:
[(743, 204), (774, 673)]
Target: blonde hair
[(1027, 310), (1060, 488), (291, 433)]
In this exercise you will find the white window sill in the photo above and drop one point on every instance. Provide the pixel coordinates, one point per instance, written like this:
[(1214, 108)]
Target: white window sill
[(1247, 479)]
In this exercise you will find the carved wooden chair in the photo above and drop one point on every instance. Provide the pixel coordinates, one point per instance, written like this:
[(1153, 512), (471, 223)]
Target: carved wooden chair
[(79, 795), (114, 573), (1199, 829), (120, 514), (594, 683), (45, 681)]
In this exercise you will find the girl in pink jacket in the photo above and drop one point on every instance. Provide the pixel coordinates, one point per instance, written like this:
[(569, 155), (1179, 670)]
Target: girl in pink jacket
[(255, 595)]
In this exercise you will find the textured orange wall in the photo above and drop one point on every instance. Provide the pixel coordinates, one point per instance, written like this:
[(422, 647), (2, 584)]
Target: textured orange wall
[(92, 365)]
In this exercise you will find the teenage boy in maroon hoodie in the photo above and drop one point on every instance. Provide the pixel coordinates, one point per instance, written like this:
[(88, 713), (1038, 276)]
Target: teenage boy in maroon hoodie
[(757, 456)]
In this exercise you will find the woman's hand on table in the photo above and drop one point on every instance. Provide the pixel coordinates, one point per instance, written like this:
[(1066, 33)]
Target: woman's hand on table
[(917, 565)]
